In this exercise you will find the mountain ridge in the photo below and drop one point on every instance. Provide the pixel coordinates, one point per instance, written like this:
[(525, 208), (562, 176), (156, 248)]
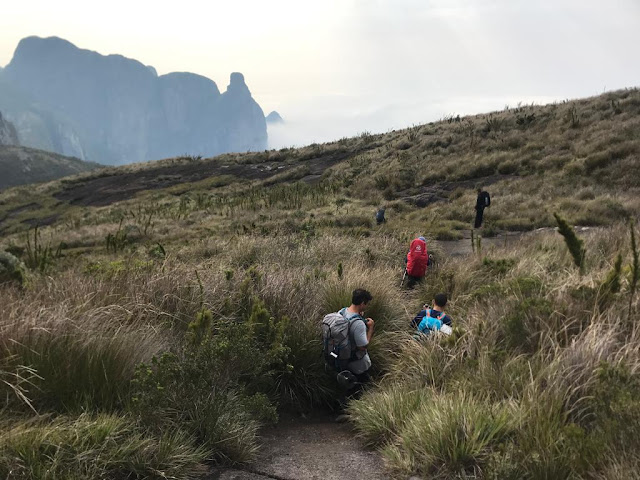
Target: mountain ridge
[(116, 110), (21, 165)]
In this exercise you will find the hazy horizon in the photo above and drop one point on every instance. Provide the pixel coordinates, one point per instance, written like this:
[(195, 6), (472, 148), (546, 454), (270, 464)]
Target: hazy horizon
[(342, 67)]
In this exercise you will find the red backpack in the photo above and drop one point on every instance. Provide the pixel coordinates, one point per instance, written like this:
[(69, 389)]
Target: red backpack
[(417, 258)]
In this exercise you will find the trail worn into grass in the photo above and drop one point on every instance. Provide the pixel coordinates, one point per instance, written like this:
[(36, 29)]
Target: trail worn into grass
[(503, 239), (308, 449)]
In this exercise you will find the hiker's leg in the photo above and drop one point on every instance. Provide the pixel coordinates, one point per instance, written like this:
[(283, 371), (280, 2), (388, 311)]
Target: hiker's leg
[(363, 379), (478, 222)]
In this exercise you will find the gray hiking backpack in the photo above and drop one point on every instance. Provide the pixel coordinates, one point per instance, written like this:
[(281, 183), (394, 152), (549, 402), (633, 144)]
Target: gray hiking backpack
[(336, 339)]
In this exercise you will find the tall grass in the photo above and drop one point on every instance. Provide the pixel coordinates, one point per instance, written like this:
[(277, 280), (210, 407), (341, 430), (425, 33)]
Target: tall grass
[(530, 356), (537, 382), (90, 447)]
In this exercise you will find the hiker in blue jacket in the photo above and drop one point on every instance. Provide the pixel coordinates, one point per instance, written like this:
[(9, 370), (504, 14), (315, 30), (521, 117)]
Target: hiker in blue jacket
[(434, 318)]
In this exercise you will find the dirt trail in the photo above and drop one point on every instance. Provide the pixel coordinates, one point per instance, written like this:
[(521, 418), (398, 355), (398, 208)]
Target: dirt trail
[(308, 449), (456, 248)]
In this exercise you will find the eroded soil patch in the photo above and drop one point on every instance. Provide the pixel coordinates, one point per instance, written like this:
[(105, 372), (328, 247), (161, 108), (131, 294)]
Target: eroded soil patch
[(109, 189), (440, 192)]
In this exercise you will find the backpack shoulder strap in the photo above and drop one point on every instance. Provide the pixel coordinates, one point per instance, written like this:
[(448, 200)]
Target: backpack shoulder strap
[(439, 316)]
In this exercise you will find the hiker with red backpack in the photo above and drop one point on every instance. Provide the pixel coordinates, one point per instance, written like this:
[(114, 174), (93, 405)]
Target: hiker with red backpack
[(417, 261), (433, 319)]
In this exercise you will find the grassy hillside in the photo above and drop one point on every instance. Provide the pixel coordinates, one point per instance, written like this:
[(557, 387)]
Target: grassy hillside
[(22, 165), (166, 311), (576, 157)]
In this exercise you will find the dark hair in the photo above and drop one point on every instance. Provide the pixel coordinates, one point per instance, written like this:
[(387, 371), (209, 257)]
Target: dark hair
[(479, 189), (359, 296), (440, 300)]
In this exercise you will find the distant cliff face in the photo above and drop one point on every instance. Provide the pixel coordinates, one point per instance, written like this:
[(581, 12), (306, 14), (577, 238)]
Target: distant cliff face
[(8, 135), (115, 110)]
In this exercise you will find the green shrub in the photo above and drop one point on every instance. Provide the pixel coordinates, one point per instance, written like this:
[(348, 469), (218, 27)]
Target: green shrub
[(611, 284), (216, 384), (499, 266), (173, 391), (634, 268), (522, 327), (157, 251), (547, 445), (353, 221), (574, 244), (616, 405), (12, 270)]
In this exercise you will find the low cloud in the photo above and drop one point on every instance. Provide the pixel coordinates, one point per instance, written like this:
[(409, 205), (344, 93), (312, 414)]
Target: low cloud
[(319, 126)]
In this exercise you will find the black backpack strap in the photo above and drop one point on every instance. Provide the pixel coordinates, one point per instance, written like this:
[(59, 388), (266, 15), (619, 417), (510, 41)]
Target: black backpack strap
[(354, 347)]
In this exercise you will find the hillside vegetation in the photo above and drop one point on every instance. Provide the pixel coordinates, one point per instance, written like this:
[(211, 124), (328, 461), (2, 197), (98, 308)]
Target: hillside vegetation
[(162, 313), (22, 165)]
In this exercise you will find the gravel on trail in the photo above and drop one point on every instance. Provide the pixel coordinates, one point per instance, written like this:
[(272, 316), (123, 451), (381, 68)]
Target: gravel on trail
[(308, 449)]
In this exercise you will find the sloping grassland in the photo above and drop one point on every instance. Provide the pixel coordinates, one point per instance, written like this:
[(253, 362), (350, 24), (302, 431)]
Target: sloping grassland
[(147, 332)]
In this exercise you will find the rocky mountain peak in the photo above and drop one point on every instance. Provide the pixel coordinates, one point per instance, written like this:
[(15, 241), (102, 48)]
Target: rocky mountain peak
[(112, 109), (237, 85), (274, 118)]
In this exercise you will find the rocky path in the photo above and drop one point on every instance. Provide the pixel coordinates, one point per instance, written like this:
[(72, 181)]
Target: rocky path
[(308, 449)]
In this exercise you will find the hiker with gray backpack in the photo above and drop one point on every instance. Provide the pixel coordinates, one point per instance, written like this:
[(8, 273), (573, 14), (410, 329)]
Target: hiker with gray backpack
[(345, 336)]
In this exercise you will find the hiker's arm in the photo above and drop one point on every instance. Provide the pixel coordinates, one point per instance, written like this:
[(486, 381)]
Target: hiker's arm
[(365, 335), (418, 318), (370, 324)]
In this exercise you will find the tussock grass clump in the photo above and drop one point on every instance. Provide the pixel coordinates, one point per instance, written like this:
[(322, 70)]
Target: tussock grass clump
[(450, 435), (381, 415), (76, 369), (89, 447)]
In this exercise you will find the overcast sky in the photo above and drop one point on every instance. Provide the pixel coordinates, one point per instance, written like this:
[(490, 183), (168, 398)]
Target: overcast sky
[(334, 68)]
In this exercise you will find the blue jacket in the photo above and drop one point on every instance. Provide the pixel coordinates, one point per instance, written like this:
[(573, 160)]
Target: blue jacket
[(418, 319)]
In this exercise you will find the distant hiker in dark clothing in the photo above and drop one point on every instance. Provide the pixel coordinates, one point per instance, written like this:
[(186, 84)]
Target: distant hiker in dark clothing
[(417, 261), (434, 318), (380, 216), (483, 201)]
